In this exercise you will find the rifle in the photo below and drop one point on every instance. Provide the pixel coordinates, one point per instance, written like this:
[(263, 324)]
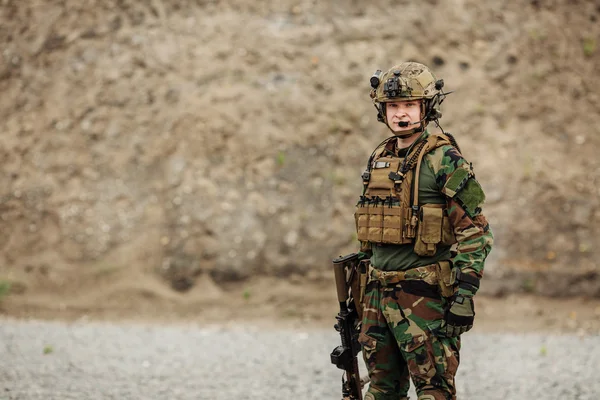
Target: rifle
[(348, 324)]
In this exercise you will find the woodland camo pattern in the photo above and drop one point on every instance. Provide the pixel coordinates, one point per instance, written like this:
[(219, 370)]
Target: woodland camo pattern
[(400, 320)]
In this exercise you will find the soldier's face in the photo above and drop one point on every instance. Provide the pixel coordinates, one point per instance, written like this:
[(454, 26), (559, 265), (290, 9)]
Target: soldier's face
[(403, 111)]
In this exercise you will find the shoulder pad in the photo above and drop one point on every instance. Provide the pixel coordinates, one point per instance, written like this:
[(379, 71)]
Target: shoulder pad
[(441, 140)]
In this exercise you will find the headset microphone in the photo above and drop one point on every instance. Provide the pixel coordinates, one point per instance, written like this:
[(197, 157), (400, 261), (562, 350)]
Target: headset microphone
[(404, 124)]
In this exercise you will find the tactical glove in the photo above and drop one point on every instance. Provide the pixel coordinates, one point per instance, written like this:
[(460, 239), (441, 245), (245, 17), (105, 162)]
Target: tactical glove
[(459, 316)]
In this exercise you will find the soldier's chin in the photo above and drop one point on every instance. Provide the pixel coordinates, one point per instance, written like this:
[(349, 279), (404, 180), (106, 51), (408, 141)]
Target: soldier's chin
[(397, 128)]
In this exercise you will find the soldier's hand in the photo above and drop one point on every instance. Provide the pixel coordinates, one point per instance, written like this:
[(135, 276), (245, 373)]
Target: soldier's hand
[(459, 317)]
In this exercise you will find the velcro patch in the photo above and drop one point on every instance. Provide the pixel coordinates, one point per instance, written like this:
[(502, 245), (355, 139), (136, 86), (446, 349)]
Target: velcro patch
[(456, 182), (471, 197)]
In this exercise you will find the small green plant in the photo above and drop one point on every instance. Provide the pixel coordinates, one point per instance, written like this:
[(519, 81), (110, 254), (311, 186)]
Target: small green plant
[(337, 179), (479, 110), (246, 294), (290, 313), (584, 248), (528, 166), (334, 127), (106, 270), (543, 350), (538, 76), (280, 158), (4, 289), (536, 34), (589, 46), (48, 349), (528, 285)]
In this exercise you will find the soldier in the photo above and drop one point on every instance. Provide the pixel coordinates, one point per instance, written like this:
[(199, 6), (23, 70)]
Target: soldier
[(419, 219)]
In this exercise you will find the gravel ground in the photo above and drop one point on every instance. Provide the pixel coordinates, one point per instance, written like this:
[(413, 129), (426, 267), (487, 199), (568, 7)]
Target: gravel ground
[(52, 360)]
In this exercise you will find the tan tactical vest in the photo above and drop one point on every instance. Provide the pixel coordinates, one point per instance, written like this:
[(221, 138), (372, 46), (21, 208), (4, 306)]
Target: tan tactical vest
[(385, 212)]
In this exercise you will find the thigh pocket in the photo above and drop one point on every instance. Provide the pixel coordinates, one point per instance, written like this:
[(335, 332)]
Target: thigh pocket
[(369, 348), (450, 348), (419, 360)]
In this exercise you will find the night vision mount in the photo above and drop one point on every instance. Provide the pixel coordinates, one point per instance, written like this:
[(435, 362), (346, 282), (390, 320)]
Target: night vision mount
[(392, 87)]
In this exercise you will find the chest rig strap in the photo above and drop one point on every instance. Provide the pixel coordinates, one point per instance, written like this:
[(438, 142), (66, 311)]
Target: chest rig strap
[(429, 144)]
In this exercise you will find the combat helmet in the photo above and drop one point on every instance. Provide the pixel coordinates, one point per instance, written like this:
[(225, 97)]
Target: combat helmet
[(408, 81)]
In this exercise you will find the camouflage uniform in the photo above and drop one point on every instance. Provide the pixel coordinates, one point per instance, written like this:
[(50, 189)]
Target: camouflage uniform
[(406, 332)]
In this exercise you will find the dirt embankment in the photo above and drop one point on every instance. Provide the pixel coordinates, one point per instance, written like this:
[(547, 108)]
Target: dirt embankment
[(152, 146)]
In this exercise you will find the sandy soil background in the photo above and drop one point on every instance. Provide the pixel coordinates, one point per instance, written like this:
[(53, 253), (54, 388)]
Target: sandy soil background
[(201, 159)]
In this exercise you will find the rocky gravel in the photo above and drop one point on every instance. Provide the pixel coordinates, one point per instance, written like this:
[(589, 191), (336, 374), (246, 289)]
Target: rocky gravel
[(85, 360)]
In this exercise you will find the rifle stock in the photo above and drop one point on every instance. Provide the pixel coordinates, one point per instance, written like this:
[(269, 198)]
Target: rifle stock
[(348, 325)]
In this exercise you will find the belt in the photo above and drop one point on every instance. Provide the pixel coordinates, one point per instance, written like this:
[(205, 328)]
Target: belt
[(427, 273)]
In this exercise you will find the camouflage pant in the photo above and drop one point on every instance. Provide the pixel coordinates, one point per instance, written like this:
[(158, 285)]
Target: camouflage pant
[(398, 343)]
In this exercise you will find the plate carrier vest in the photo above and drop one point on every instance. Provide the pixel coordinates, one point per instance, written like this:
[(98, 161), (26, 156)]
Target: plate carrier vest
[(385, 212)]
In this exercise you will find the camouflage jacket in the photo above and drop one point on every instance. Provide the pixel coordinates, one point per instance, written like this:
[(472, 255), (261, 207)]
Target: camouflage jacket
[(464, 199)]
